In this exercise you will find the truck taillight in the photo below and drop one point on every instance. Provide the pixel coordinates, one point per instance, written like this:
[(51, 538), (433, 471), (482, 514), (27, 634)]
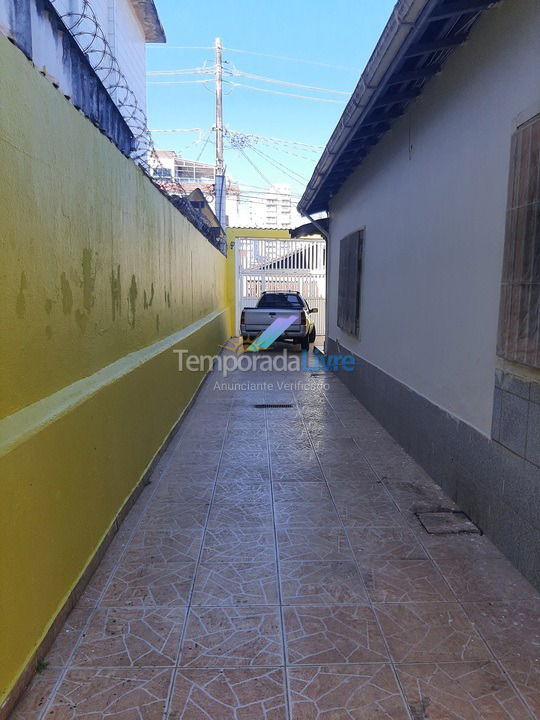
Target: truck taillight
[(303, 319), (243, 318)]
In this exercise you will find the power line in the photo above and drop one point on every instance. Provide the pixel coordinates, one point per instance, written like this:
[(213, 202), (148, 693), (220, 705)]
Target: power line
[(289, 59), (280, 166), (279, 92), (274, 139), (239, 73), (176, 82), (185, 71)]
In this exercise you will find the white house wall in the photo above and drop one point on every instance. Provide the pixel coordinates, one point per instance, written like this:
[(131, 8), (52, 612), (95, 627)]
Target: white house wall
[(432, 199)]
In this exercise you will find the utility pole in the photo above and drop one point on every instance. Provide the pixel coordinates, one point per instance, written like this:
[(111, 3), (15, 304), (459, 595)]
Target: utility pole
[(220, 167)]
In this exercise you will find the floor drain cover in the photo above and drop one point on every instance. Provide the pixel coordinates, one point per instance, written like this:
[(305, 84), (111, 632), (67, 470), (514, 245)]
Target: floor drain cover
[(447, 522), (273, 406)]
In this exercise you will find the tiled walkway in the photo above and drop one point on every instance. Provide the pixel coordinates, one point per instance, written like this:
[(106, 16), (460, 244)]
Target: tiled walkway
[(274, 569)]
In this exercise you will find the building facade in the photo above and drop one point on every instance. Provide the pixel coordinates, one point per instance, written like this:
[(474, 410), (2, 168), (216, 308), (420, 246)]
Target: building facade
[(432, 187)]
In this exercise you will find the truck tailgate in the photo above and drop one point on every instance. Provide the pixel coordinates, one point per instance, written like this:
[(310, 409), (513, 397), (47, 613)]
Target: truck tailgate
[(257, 320)]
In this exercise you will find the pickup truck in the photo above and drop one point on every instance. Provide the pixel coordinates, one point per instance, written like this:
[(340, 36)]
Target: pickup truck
[(271, 305)]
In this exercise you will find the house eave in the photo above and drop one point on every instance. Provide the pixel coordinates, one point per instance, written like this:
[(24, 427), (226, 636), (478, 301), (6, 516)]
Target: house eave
[(147, 15), (418, 38)]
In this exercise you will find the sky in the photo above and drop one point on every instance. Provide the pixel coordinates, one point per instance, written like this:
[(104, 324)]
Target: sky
[(312, 33)]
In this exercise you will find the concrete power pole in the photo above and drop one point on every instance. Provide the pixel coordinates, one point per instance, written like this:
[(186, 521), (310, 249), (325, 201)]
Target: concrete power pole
[(220, 167)]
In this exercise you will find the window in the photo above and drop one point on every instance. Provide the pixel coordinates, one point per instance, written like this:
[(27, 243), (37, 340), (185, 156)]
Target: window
[(350, 271), (280, 300), (519, 319)]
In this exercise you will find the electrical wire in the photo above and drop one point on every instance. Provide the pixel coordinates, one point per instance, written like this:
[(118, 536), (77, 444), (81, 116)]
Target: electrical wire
[(185, 71), (175, 82), (279, 92), (280, 166), (239, 73), (289, 59)]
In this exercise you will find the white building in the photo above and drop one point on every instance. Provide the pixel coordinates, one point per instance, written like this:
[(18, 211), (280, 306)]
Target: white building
[(272, 208), (416, 178), (127, 25)]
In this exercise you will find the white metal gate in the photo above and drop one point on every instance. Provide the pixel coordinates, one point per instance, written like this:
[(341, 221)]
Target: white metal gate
[(265, 264)]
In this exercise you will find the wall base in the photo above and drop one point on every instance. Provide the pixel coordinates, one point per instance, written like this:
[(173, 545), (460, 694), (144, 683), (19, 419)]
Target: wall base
[(497, 488)]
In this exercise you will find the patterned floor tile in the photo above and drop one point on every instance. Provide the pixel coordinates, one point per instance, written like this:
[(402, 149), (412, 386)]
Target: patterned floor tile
[(131, 637), (430, 632), (236, 583), (457, 547), (345, 692), (228, 544), (233, 514), (393, 543), (511, 629), (356, 491), (311, 514), (167, 515), (36, 695), (242, 491), (525, 674), (465, 691), (319, 634), (348, 470), (232, 637), (364, 513), (242, 694), (68, 636), (306, 583), (283, 471), (136, 584), (313, 544), (154, 546), (120, 693), (300, 492), (389, 580), (477, 579)]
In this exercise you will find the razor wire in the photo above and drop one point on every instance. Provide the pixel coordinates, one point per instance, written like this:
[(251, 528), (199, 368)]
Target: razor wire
[(85, 28)]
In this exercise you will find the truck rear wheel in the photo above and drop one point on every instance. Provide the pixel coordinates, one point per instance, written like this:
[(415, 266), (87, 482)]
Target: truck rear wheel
[(305, 343), (312, 336)]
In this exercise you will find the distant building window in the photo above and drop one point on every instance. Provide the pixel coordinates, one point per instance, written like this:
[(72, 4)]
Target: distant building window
[(519, 320), (350, 273)]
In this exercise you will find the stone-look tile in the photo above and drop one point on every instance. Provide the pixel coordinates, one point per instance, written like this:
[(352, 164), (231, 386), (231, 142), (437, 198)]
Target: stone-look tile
[(362, 513), (36, 695), (457, 547), (241, 694), (341, 692), (175, 516), (388, 581), (525, 674), (139, 584), (300, 492), (392, 543), (357, 491), (236, 583), (242, 491), (120, 693), (511, 629), (322, 634), (92, 592), (348, 470), (291, 471), (255, 467), (430, 632), (532, 452), (184, 492), (156, 547), (131, 637), (311, 514), (232, 637), (234, 543), (464, 690), (313, 544), (476, 579), (306, 583), (514, 413), (68, 636), (238, 475), (232, 514), (418, 494)]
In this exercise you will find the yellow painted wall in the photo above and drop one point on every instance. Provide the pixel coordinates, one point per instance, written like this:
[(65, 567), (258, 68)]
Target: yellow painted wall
[(232, 234), (99, 274)]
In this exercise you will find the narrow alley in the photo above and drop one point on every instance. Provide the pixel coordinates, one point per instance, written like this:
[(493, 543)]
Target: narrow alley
[(275, 568)]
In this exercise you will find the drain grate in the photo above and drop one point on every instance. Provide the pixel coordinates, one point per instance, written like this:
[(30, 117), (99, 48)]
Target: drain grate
[(447, 522), (264, 405)]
